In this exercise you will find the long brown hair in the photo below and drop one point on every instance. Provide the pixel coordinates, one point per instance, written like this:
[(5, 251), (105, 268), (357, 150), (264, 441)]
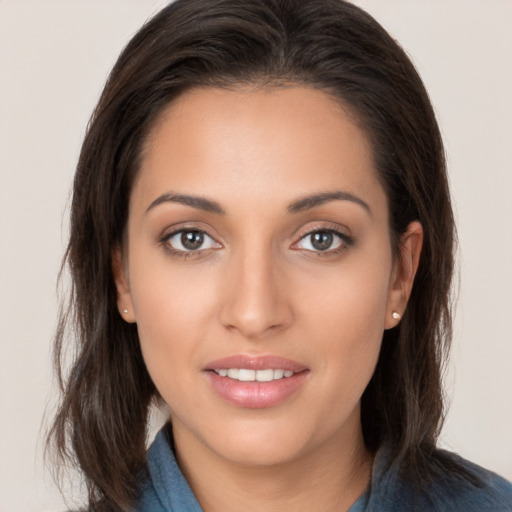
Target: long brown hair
[(330, 45)]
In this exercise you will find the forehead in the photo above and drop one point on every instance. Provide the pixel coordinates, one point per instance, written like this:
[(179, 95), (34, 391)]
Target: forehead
[(275, 141)]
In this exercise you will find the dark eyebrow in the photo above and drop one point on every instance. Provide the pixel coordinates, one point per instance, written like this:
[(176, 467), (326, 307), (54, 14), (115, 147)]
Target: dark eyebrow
[(312, 201), (196, 202)]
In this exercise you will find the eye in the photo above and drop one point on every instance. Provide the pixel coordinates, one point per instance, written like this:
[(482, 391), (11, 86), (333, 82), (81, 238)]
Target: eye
[(322, 240), (188, 240)]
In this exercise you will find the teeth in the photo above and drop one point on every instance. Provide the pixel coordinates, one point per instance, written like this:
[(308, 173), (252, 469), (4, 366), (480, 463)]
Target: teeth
[(245, 375), (265, 375), (278, 374)]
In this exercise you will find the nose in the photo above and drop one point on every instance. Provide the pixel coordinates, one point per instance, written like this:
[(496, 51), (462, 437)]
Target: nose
[(255, 301)]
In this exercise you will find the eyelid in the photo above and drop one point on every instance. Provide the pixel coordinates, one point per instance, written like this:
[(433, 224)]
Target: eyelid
[(176, 230), (336, 229)]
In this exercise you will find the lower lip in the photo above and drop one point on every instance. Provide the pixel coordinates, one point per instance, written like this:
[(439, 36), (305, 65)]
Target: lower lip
[(255, 394)]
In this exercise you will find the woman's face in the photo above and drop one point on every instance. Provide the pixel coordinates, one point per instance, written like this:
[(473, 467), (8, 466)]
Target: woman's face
[(258, 248)]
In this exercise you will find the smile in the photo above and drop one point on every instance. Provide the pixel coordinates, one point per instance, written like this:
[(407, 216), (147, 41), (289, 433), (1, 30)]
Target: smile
[(256, 382), (247, 375)]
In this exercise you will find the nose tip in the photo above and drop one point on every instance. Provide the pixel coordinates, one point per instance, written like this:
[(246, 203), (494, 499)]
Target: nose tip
[(251, 325), (255, 302), (253, 320)]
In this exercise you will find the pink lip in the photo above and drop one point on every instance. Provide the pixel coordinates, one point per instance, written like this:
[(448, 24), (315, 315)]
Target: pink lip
[(255, 395), (256, 363)]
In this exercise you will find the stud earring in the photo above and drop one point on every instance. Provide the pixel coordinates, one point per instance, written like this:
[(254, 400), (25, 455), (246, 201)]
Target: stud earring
[(395, 315), (125, 311)]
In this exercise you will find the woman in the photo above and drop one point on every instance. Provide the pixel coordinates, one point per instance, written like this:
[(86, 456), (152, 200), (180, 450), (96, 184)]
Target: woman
[(262, 238)]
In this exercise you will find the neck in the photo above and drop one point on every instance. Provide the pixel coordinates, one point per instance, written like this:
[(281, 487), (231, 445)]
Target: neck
[(329, 478)]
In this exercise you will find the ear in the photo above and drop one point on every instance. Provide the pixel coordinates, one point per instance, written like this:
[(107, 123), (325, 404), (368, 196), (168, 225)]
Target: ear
[(404, 270), (124, 296)]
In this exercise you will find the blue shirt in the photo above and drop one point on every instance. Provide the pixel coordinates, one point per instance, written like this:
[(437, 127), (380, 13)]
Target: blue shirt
[(166, 489)]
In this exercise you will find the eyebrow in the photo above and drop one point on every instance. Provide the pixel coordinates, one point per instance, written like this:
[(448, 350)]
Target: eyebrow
[(308, 202), (200, 203), (302, 204)]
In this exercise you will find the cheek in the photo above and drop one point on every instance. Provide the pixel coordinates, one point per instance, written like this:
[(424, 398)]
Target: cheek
[(349, 342), (172, 307), (349, 301), (167, 295), (351, 330), (346, 316)]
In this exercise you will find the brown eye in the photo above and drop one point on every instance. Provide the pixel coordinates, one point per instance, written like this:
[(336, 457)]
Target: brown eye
[(192, 240), (188, 240), (322, 240)]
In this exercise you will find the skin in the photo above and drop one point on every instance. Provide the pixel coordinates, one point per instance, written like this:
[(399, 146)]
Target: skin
[(259, 287)]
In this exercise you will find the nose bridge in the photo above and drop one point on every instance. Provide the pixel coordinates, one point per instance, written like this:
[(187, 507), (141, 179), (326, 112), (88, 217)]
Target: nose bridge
[(255, 301)]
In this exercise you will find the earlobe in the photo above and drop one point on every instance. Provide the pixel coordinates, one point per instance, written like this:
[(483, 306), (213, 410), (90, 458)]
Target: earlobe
[(124, 297), (404, 272)]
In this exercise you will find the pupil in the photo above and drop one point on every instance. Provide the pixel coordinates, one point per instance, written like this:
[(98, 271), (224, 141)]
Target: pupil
[(192, 240), (321, 240)]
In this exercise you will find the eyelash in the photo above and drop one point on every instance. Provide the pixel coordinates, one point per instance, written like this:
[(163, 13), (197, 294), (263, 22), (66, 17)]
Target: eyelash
[(184, 254), (345, 242)]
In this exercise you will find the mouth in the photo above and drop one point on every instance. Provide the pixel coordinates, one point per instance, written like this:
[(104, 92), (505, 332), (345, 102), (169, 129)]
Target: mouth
[(247, 375), (256, 381)]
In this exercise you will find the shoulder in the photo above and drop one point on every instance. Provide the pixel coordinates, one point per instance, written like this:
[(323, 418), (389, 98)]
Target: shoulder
[(164, 489), (479, 490), (457, 485)]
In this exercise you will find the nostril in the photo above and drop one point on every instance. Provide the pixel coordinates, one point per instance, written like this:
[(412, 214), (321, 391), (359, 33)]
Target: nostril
[(254, 297)]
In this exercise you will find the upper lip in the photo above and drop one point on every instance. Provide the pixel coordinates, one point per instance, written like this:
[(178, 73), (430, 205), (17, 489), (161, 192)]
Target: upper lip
[(252, 362)]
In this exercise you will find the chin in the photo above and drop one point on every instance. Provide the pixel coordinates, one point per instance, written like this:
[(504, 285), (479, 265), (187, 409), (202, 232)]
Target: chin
[(269, 451), (266, 441)]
